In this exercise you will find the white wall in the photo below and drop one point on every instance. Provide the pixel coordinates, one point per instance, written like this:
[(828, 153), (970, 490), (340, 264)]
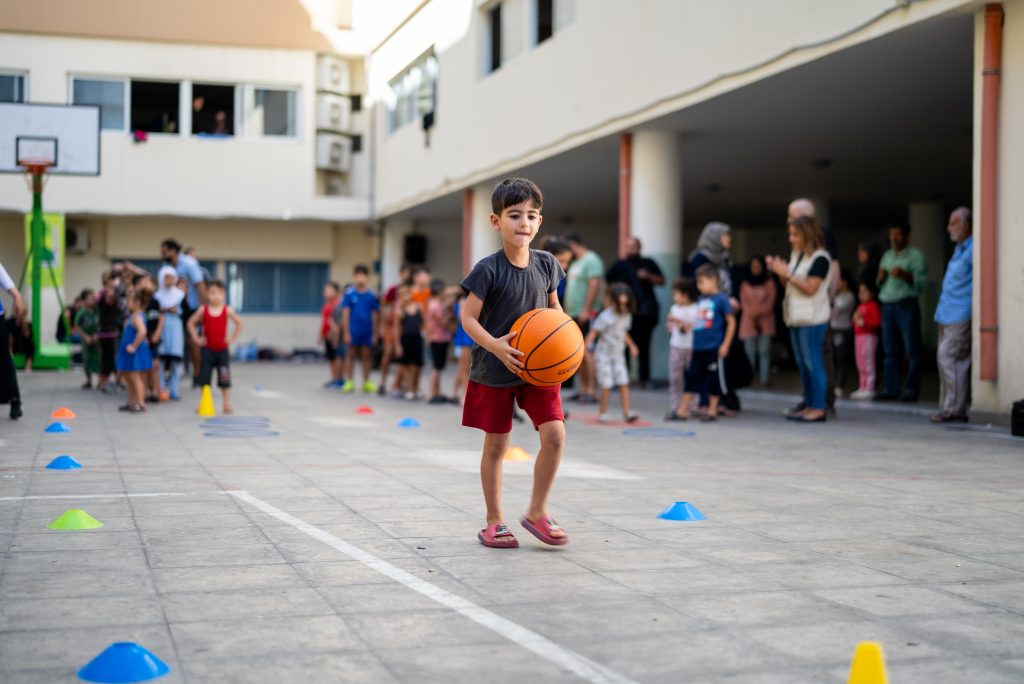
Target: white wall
[(181, 175), (614, 65), (1009, 386)]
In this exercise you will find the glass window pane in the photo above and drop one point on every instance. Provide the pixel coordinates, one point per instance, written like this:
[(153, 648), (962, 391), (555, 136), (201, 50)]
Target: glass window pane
[(109, 95), (301, 285), (274, 112), (213, 110), (155, 106), (12, 88), (251, 286)]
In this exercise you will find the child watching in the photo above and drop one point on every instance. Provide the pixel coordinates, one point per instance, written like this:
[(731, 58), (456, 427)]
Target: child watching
[(134, 358), (499, 289), (711, 339), (409, 342), (463, 343), (329, 336), (611, 330), (86, 325), (214, 342), (867, 319), (172, 336), (360, 322), (439, 335), (841, 326), (682, 316)]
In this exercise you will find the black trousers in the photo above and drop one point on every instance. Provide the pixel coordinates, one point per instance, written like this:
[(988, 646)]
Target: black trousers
[(8, 379), (641, 332)]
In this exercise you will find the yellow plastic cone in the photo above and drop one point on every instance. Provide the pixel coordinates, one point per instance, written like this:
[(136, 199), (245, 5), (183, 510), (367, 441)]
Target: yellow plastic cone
[(517, 454), (206, 404), (868, 666)]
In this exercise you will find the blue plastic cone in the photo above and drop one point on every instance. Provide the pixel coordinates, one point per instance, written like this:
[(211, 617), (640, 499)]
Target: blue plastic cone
[(123, 661), (63, 462), (408, 423), (57, 426), (681, 510)]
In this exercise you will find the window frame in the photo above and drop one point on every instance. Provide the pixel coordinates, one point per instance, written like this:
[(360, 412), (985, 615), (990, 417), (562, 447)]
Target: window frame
[(126, 82), (277, 286), (185, 105), (411, 99), (534, 17), (184, 96), (24, 83), (248, 101), (490, 11)]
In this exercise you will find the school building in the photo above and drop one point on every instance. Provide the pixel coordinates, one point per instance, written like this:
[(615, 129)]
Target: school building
[(646, 118)]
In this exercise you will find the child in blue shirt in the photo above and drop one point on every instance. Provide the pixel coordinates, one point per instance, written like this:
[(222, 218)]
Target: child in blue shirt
[(712, 335), (361, 325)]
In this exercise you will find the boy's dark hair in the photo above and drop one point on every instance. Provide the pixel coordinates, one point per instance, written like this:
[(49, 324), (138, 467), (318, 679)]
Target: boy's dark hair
[(707, 271), (361, 268), (688, 287), (847, 276), (901, 223), (85, 293), (574, 239), (406, 266), (436, 286), (172, 245), (417, 269), (513, 191), (334, 284), (138, 278), (216, 282), (556, 246)]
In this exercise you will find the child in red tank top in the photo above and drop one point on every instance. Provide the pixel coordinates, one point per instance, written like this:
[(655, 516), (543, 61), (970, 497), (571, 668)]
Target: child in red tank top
[(215, 341)]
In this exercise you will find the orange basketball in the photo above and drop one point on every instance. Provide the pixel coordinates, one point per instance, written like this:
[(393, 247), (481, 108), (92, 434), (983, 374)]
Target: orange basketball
[(552, 346)]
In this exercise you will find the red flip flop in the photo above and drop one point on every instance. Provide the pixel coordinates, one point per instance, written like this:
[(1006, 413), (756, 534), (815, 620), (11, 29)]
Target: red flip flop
[(497, 536), (542, 530)]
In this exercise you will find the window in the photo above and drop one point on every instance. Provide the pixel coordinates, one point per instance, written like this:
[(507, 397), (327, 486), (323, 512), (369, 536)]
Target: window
[(12, 88), (413, 92), (545, 20), (273, 287), (154, 106), (108, 94), (213, 110), (494, 38), (357, 102), (271, 112)]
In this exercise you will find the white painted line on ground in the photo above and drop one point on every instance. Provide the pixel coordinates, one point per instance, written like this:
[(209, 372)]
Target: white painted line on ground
[(530, 640), (110, 496)]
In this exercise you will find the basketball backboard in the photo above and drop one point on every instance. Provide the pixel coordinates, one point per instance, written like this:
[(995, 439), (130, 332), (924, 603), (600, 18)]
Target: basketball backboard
[(65, 136)]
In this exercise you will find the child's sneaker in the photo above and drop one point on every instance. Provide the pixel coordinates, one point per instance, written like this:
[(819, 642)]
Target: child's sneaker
[(369, 387), (631, 417), (604, 418), (862, 395), (348, 387)]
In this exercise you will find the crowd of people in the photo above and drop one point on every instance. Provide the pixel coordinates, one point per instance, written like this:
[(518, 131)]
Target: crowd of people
[(139, 334)]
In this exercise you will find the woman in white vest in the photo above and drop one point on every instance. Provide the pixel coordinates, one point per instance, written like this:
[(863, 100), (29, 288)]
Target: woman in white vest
[(806, 310)]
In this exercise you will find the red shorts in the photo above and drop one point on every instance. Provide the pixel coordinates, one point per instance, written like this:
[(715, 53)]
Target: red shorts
[(490, 408)]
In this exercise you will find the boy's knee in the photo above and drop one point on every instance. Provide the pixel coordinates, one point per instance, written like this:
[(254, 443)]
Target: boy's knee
[(552, 435)]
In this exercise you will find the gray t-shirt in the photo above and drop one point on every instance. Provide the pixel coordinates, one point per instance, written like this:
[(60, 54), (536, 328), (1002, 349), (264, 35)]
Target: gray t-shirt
[(507, 293), (613, 328)]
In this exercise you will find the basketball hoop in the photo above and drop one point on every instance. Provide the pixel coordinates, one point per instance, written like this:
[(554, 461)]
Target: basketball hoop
[(35, 168)]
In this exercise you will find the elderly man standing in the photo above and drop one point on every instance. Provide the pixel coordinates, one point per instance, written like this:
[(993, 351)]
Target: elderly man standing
[(902, 275), (953, 314)]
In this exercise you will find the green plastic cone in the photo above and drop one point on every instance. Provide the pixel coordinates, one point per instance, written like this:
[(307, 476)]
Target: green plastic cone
[(75, 520)]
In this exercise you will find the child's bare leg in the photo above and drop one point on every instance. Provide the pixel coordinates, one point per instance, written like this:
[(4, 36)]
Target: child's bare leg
[(552, 443), (435, 383), (385, 363), (136, 388), (226, 393), (495, 446), (350, 363), (624, 399), (713, 404), (337, 368), (414, 379), (684, 404), (602, 403), (462, 375), (365, 358)]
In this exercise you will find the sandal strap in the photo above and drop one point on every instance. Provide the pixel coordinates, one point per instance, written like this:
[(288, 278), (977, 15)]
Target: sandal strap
[(553, 525)]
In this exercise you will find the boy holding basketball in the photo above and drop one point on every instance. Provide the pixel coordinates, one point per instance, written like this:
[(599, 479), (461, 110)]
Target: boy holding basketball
[(500, 289)]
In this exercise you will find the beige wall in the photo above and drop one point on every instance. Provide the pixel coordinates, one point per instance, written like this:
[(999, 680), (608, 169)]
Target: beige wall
[(1009, 386), (269, 23), (179, 174), (613, 66)]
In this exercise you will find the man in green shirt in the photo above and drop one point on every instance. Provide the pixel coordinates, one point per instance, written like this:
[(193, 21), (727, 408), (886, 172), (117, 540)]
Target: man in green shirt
[(582, 300), (902, 275)]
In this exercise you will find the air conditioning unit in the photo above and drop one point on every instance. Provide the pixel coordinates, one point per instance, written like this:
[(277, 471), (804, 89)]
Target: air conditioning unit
[(334, 113), (333, 152), (333, 74), (76, 238), (335, 185)]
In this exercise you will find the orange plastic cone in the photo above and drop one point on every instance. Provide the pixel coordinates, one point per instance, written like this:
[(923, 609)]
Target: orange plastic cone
[(63, 413), (517, 454)]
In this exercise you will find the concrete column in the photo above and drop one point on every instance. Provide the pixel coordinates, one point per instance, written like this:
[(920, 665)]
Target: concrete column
[(392, 239), (656, 218), (928, 233), (484, 240)]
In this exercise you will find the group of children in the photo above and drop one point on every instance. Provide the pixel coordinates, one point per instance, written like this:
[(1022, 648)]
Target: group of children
[(417, 317), (133, 331)]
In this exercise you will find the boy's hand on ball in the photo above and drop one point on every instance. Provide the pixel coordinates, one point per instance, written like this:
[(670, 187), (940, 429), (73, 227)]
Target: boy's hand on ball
[(507, 354)]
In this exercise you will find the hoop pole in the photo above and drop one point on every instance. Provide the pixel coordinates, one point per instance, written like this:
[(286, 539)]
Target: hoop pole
[(38, 226)]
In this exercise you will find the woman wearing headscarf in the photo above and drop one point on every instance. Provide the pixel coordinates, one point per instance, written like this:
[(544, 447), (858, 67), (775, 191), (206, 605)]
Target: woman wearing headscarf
[(757, 322), (9, 393), (713, 248), (172, 338)]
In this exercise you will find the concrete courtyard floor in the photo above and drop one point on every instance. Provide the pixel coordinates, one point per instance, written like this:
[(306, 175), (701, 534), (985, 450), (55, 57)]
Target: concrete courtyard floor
[(335, 547)]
